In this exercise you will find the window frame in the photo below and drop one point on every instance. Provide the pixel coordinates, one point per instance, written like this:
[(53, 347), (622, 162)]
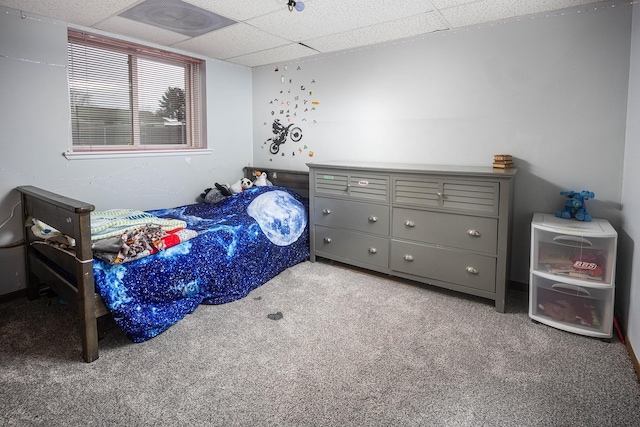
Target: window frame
[(194, 88)]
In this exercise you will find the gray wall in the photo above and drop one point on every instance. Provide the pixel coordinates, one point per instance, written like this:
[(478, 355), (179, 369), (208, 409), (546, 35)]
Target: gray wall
[(551, 91), (628, 283), (35, 123)]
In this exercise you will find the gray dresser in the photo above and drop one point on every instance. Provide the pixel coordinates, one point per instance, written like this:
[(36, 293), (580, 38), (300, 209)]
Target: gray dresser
[(443, 225)]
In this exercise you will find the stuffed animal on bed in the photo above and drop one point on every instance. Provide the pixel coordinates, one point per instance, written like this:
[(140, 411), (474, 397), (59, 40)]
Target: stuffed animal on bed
[(261, 179), (240, 185), (237, 187), (212, 195)]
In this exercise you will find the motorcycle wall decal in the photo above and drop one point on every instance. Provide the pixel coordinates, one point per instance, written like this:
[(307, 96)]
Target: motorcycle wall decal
[(281, 133)]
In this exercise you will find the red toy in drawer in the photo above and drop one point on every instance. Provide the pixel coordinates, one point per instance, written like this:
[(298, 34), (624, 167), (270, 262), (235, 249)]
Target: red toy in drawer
[(570, 304), (590, 263)]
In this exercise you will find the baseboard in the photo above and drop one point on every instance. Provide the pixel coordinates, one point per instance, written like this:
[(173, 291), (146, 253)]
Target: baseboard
[(13, 295), (632, 354), (518, 286)]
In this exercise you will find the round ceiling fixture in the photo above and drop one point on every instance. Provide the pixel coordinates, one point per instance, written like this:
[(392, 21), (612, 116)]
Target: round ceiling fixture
[(297, 5)]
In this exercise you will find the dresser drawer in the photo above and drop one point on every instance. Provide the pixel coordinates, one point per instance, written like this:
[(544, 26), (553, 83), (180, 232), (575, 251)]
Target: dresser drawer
[(471, 196), (417, 191), (356, 216), (465, 196), (351, 245), (369, 187), (438, 228), (330, 183), (361, 186), (446, 265)]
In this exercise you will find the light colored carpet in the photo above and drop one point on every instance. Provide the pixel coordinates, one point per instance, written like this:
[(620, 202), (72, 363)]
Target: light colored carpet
[(319, 345)]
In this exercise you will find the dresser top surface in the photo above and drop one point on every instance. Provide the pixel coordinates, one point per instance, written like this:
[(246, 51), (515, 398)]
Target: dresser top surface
[(416, 168)]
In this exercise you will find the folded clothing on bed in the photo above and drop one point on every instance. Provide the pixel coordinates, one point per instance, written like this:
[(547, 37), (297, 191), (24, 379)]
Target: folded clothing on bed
[(139, 242), (115, 222), (50, 234), (125, 239)]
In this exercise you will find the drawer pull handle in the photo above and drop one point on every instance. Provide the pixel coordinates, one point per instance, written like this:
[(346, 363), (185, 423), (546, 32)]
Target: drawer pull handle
[(409, 223), (439, 194), (472, 270), (474, 233), (408, 257), (326, 211), (566, 288), (373, 219), (572, 240), (327, 239), (373, 251)]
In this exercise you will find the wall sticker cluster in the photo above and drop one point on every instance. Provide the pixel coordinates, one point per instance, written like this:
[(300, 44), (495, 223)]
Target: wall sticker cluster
[(291, 113)]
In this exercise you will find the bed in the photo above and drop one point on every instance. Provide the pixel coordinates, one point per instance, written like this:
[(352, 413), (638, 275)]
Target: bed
[(235, 248)]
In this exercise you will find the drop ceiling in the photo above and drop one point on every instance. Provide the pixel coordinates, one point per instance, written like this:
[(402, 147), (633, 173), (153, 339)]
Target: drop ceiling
[(266, 32)]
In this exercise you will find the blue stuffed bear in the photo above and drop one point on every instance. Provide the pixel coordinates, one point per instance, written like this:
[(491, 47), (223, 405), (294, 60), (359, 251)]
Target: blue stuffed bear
[(575, 206)]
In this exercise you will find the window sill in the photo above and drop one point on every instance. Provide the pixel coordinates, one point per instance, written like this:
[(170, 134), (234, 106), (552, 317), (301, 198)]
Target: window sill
[(84, 155)]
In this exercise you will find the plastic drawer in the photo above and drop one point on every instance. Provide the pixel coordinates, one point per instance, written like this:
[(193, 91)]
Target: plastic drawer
[(574, 250), (583, 309)]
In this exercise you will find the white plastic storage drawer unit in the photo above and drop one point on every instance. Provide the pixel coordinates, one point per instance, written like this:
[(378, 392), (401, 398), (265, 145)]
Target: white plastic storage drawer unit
[(572, 274)]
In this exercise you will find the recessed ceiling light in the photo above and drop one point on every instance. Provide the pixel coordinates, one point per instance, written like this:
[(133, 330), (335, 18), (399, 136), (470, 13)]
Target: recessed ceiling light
[(177, 16)]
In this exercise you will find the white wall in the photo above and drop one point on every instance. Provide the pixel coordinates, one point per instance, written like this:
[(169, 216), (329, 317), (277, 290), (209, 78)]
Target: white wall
[(551, 91), (628, 284), (35, 133)]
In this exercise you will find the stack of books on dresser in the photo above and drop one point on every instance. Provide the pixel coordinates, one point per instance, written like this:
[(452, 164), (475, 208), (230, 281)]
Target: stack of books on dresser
[(502, 161)]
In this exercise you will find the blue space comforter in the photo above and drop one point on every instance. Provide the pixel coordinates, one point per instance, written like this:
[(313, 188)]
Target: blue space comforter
[(243, 241)]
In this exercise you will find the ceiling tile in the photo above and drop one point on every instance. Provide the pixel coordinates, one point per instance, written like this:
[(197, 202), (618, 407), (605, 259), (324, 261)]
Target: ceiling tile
[(279, 54), (72, 11), (333, 16), (140, 31), (492, 10), (402, 28), (239, 10), (443, 4), (234, 40), (324, 25)]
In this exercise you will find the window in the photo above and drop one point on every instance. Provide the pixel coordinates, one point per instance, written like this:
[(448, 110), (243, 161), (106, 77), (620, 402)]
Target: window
[(126, 97)]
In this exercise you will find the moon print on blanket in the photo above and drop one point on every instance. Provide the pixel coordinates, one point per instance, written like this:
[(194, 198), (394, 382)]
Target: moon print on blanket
[(281, 217)]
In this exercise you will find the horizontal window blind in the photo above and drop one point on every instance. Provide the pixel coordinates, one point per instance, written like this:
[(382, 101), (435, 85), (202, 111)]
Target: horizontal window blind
[(125, 96)]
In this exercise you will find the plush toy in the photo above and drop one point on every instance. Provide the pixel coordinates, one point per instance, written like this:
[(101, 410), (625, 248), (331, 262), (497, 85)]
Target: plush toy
[(574, 206), (240, 185), (237, 187), (261, 179), (212, 195)]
